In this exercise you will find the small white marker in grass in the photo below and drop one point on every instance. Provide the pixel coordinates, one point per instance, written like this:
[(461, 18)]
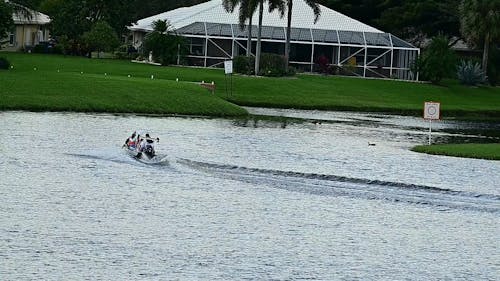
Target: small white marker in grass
[(81, 72), (11, 67), (152, 77), (105, 74), (176, 79), (34, 68), (128, 76)]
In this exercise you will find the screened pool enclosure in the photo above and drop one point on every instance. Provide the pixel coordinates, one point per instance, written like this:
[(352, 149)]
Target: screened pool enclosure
[(345, 45), (364, 54)]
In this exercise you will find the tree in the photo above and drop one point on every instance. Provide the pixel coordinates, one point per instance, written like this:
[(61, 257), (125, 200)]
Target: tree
[(246, 11), (164, 43), (414, 20), (102, 37), (437, 61), (68, 20), (273, 5), (32, 4), (84, 14), (258, 49), (418, 20), (6, 22), (315, 6), (480, 22), (366, 11), (142, 9)]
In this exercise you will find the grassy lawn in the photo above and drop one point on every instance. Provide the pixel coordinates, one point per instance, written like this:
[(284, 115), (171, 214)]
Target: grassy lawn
[(489, 151), (58, 84), (341, 93), (69, 89)]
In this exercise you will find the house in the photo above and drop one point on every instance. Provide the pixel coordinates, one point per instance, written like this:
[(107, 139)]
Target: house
[(214, 35), (30, 28)]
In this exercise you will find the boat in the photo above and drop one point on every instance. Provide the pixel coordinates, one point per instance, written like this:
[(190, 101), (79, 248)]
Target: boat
[(146, 153)]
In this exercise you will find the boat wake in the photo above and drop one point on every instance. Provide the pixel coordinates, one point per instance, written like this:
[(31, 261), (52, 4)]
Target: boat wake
[(332, 185), (123, 157)]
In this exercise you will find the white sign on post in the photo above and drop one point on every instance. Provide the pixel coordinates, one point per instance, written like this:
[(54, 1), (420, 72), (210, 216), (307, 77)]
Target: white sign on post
[(431, 112), (228, 66)]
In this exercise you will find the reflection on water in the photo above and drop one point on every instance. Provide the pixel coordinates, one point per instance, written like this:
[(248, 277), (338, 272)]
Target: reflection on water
[(337, 196), (444, 131)]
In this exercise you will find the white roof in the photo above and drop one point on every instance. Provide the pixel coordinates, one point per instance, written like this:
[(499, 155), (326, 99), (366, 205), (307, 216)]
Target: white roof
[(213, 11), (34, 17)]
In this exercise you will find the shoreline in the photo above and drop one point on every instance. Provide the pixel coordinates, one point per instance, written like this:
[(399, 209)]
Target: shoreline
[(484, 151), (51, 83)]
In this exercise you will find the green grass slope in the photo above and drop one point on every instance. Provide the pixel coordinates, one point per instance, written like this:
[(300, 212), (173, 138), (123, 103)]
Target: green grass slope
[(490, 151), (344, 93), (79, 84), (68, 89)]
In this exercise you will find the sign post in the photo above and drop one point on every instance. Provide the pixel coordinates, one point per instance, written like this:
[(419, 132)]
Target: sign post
[(431, 112), (228, 69)]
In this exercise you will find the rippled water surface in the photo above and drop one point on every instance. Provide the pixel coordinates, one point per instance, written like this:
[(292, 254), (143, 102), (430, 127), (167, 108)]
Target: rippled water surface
[(339, 198)]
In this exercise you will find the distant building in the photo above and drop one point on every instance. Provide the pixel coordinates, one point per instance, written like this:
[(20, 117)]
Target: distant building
[(30, 28), (463, 50), (214, 35)]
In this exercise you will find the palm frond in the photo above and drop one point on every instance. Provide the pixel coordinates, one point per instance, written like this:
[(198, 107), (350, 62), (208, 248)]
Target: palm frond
[(315, 7)]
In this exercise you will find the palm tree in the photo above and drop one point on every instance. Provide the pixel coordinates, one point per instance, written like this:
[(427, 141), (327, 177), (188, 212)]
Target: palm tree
[(273, 5), (258, 49), (246, 10), (480, 22), (163, 44), (289, 4)]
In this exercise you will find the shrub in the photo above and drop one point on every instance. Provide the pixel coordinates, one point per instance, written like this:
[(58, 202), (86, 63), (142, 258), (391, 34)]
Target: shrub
[(122, 48), (164, 44), (57, 49), (244, 65), (333, 69), (47, 48), (470, 73), (125, 55), (40, 49), (323, 63), (4, 63), (102, 37), (437, 61), (126, 52), (272, 65)]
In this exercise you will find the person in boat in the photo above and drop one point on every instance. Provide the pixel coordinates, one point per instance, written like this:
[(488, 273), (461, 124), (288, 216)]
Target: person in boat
[(147, 145), (140, 143), (131, 142)]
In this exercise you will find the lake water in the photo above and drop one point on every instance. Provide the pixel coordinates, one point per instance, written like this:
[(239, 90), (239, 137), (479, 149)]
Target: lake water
[(244, 200)]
